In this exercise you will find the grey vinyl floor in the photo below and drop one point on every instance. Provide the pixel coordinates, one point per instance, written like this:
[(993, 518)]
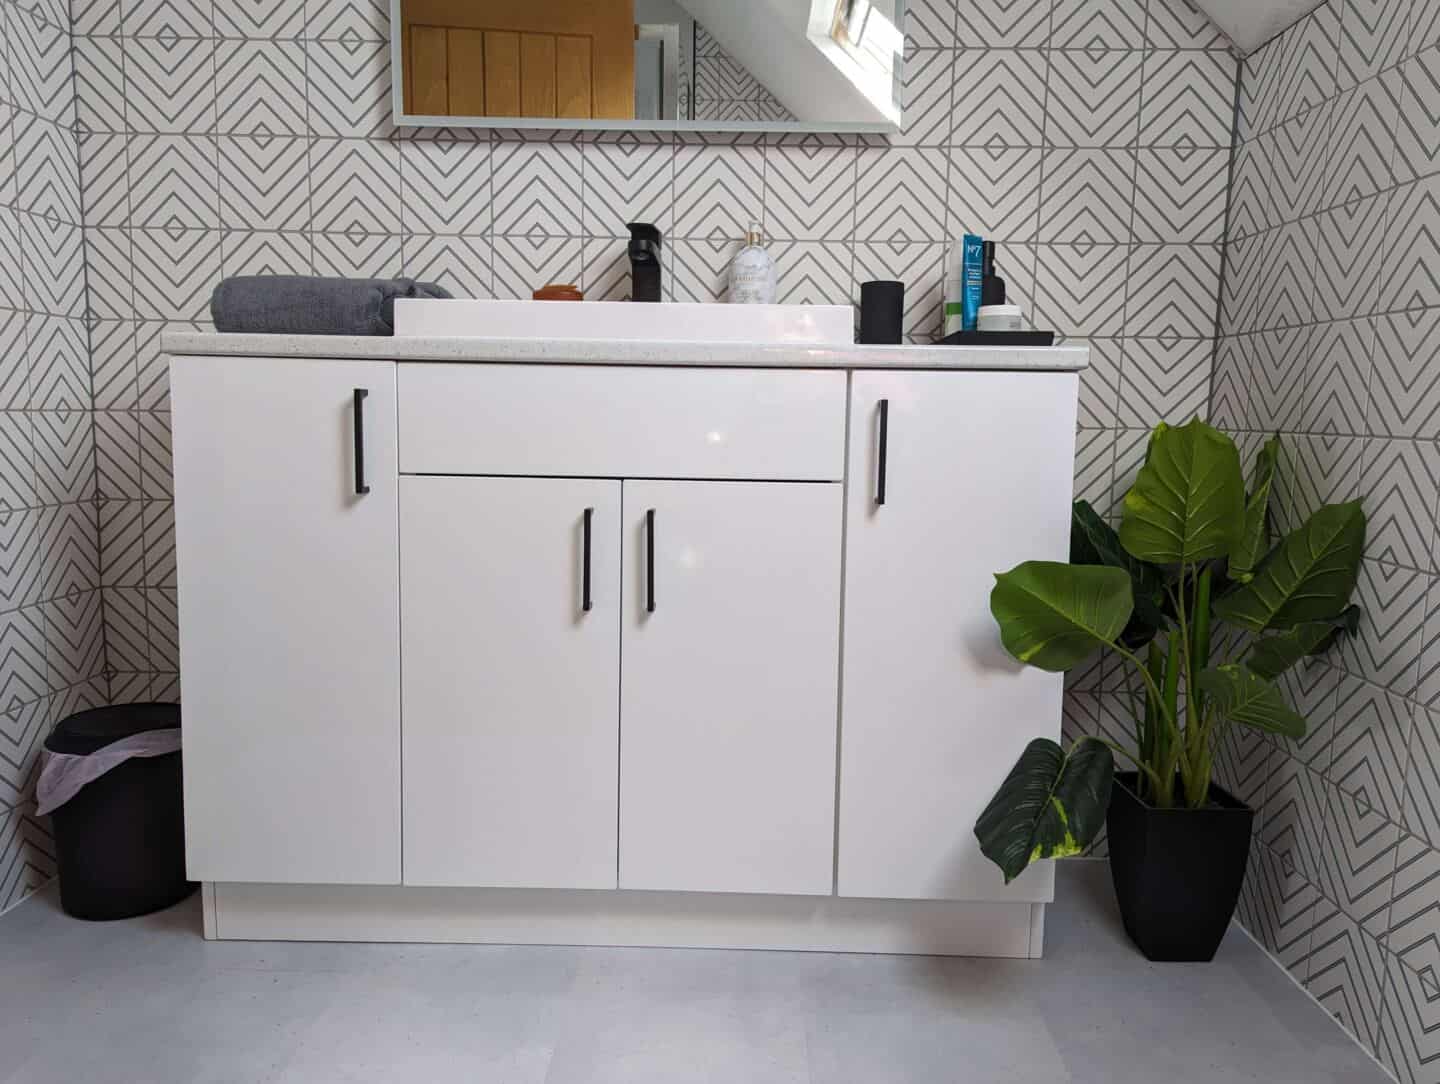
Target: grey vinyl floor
[(150, 1000)]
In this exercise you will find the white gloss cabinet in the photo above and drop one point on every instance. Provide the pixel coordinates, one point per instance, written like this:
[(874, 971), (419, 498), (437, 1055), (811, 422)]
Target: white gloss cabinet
[(731, 619), (289, 619), (975, 474), (510, 645)]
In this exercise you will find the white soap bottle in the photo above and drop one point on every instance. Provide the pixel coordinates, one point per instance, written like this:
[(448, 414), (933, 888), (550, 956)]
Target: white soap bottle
[(752, 272)]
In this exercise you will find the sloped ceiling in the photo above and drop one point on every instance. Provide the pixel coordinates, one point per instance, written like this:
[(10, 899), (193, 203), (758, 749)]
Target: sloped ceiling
[(1249, 24)]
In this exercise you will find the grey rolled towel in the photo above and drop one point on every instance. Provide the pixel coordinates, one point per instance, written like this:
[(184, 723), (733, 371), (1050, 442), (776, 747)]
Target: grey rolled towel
[(302, 305)]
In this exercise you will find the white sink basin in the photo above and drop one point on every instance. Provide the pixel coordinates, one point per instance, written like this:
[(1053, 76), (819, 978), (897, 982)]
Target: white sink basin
[(624, 321)]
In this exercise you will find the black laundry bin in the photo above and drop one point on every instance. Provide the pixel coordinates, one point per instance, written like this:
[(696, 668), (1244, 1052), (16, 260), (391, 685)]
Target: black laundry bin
[(120, 841)]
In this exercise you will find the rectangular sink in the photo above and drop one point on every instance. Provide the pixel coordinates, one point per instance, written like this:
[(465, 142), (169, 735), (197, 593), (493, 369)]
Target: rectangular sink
[(625, 321)]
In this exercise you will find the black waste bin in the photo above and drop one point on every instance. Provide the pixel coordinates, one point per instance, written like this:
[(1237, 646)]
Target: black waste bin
[(120, 841)]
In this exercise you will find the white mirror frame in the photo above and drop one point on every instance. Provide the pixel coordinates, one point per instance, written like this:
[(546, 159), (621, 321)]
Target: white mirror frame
[(408, 120)]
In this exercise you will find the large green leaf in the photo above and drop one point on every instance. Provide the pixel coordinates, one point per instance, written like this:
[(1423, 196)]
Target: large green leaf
[(1095, 542), (1243, 696), (1054, 615), (1271, 656), (1251, 545), (1309, 576), (1188, 501), (1050, 805)]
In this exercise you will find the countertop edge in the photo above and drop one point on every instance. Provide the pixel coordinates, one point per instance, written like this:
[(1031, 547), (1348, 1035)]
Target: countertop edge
[(1069, 358)]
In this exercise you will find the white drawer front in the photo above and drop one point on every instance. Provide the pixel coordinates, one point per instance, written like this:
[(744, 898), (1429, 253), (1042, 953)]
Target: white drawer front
[(622, 423)]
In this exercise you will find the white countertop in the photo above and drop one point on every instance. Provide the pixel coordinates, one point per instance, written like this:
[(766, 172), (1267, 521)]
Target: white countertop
[(1067, 358)]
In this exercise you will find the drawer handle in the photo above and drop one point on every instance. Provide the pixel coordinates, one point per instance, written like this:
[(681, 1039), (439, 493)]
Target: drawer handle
[(883, 449), (359, 407), (650, 561), (585, 603)]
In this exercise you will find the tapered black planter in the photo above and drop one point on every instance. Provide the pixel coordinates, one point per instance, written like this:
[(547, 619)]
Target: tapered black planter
[(1177, 872)]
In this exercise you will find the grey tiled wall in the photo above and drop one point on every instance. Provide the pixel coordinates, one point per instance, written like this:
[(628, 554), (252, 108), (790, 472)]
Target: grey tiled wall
[(1329, 324), (50, 607)]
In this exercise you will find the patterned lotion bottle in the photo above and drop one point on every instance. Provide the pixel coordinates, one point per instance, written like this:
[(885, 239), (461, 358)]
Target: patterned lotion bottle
[(752, 272)]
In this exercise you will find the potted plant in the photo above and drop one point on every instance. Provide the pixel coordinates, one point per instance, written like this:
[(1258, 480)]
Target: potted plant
[(1192, 549)]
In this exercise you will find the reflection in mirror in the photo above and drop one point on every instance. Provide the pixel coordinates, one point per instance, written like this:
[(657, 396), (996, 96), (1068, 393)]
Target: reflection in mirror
[(804, 64)]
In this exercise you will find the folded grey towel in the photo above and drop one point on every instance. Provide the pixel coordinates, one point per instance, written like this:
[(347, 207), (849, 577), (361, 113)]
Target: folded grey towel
[(301, 305)]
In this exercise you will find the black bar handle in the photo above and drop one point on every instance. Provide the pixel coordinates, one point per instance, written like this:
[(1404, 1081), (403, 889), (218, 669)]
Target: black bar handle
[(650, 561), (884, 448), (360, 396), (585, 603)]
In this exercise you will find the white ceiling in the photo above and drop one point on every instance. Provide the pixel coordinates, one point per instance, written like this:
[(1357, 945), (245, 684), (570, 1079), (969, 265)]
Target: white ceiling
[(1249, 24)]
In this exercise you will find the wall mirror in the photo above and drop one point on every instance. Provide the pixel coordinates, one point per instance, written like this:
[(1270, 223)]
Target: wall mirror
[(650, 65)]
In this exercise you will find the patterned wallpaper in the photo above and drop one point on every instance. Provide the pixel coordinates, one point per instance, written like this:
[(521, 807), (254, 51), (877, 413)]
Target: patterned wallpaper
[(1330, 325), (50, 607), (726, 90)]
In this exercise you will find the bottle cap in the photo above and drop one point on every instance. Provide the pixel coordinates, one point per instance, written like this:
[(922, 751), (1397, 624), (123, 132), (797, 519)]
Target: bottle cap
[(754, 235)]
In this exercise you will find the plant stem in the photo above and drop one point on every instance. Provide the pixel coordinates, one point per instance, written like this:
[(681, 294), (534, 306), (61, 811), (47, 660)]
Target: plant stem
[(1145, 769)]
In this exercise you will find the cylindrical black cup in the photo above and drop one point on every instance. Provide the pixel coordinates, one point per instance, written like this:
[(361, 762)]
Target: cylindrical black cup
[(882, 310)]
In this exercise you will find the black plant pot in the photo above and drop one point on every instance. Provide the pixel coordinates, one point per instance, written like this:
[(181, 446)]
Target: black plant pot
[(1177, 872)]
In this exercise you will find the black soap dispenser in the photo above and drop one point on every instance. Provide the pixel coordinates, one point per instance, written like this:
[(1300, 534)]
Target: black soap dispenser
[(644, 262), (992, 286)]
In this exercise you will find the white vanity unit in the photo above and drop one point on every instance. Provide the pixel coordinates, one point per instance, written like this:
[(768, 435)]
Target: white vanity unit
[(595, 641)]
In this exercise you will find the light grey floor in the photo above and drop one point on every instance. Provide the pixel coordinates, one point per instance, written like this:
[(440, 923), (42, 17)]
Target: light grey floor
[(149, 1000)]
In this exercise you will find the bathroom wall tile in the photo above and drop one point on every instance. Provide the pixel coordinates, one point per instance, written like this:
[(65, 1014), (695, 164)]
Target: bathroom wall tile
[(816, 273), (1230, 386), (22, 735), (1242, 766), (1094, 99), (1422, 782), (1259, 90), (260, 87), (930, 23), (1424, 26), (160, 544), (1086, 196), (109, 265), (1414, 934), (1286, 271), (701, 268), (22, 557), (1348, 240), (105, 185), (1165, 380), (100, 87), (1404, 396), (260, 19), (47, 168), (127, 638), (40, 72), (152, 367), (1179, 24), (1002, 24), (64, 455), (1362, 139), (1400, 480), (445, 186), (1281, 907), (538, 188), (1277, 378), (12, 278), (1312, 690), (71, 541), (74, 639), (117, 454), (1185, 103), (524, 264), (175, 272), (264, 182), (1296, 809), (54, 265), (993, 192), (1417, 129), (920, 266), (803, 187), (17, 455), (1386, 649), (605, 272), (1180, 195), (345, 20), (156, 468), (14, 364), (1412, 247), (1326, 471), (900, 195), (169, 85), (1371, 741), (1100, 383), (1308, 55), (1346, 974), (1407, 1045), (463, 265), (59, 366), (1337, 383), (1098, 24), (925, 98), (167, 18), (1298, 154), (1172, 291), (176, 182), (93, 18), (999, 98), (354, 186), (349, 88), (122, 543), (1074, 288), (162, 628), (1372, 38), (22, 658)]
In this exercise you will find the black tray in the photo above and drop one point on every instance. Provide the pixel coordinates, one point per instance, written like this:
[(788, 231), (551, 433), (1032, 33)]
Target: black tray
[(999, 338)]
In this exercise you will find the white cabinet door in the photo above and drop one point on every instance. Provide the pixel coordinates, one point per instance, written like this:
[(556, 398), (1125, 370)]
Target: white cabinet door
[(976, 478), (511, 685), (728, 692), (289, 618)]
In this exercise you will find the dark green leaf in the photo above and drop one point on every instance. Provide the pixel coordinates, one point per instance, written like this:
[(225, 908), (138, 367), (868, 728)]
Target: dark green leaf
[(1309, 577), (1095, 542), (1242, 696), (1050, 805), (1054, 615), (1271, 656), (1251, 545), (1188, 501)]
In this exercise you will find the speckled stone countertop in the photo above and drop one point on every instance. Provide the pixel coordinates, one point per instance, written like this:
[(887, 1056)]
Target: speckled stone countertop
[(1068, 358)]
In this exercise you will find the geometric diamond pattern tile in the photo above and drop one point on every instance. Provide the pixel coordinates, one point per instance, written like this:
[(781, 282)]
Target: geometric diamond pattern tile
[(1347, 975), (522, 264), (59, 368), (799, 184), (538, 188), (1172, 291), (1372, 37), (1326, 470), (100, 84), (1180, 195), (994, 192), (39, 75), (122, 544), (925, 98), (74, 639), (1306, 73), (1371, 738), (1361, 138), (260, 87), (460, 264), (71, 546), (363, 20), (1074, 288), (1098, 24), (349, 88), (817, 273), (445, 186), (1297, 154), (1094, 99), (355, 186), (359, 255), (901, 195), (1337, 380), (175, 182), (1230, 386), (264, 182), (1277, 379), (1422, 795), (175, 272), (1252, 189), (1412, 247), (1400, 480), (1003, 23), (1287, 270), (169, 84), (27, 856), (1414, 927), (1280, 907), (126, 629), (1294, 825), (1417, 132), (22, 730), (701, 269), (64, 455), (1348, 255), (159, 519), (1187, 99), (1387, 646), (1409, 1041), (1178, 24), (22, 557), (1165, 380), (54, 255), (252, 252), (999, 98), (47, 170), (1086, 196)]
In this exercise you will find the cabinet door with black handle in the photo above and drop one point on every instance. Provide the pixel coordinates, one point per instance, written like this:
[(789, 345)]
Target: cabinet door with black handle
[(285, 524)]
